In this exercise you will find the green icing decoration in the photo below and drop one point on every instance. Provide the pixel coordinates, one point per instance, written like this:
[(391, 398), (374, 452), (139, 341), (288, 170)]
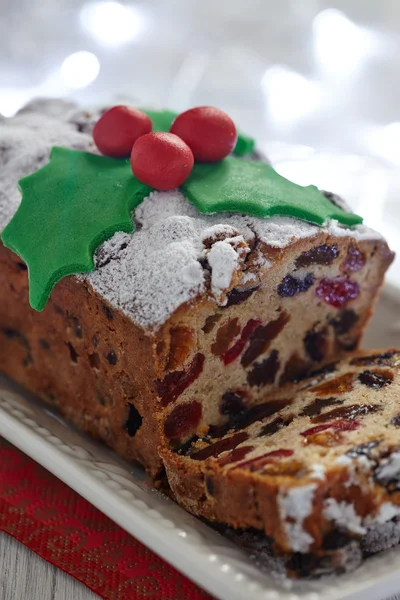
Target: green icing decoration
[(162, 121), (244, 145), (68, 208), (255, 188)]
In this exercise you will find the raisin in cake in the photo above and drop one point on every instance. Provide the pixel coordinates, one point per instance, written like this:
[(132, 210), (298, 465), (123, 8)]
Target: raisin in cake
[(321, 470), (180, 313)]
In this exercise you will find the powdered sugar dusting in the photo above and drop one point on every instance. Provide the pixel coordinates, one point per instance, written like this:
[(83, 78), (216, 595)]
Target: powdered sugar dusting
[(295, 506), (343, 515), (224, 261), (25, 144), (152, 272)]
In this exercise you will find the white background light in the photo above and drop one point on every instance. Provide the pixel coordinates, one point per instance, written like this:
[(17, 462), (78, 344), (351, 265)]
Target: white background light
[(11, 101), (110, 23), (385, 142), (80, 69), (339, 44), (289, 94)]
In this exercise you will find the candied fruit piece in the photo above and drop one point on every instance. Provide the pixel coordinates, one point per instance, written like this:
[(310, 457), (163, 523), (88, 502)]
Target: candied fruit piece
[(134, 420), (314, 409), (363, 449), (112, 358), (347, 412), (237, 296), (225, 336), (289, 467), (290, 286), (258, 413), (236, 455), (264, 372), (232, 404), (262, 337), (275, 426), (337, 292), (315, 343), (244, 418), (354, 261), (345, 320), (94, 360), (211, 321), (382, 359), (74, 356), (175, 383), (339, 385), (339, 425), (221, 446), (328, 438), (320, 255), (75, 325), (230, 355), (257, 463), (296, 369), (181, 344), (108, 312), (182, 420), (376, 379)]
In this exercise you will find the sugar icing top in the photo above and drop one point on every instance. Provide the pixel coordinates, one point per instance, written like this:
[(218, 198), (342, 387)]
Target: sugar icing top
[(150, 273)]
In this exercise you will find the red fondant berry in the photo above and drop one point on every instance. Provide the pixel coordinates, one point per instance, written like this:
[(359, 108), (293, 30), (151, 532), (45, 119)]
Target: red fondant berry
[(209, 132), (118, 129), (161, 160)]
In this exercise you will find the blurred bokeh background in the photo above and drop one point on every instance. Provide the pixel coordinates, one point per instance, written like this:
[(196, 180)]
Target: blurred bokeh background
[(316, 82)]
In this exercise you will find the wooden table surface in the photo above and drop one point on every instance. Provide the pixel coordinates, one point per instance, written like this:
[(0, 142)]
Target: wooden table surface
[(25, 576)]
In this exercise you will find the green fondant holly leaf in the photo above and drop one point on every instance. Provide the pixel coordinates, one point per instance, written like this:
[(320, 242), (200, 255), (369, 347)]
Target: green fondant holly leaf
[(244, 145), (255, 188), (162, 121), (68, 208)]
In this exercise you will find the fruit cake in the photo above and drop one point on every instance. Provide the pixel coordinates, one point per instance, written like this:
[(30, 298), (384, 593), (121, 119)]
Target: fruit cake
[(318, 471), (185, 321)]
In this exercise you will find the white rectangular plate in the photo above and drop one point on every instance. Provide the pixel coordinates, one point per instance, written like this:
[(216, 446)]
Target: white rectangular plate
[(122, 492)]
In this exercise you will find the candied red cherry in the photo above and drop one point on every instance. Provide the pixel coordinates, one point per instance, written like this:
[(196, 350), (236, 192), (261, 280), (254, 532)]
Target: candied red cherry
[(337, 292), (229, 443), (182, 420), (176, 382), (209, 132), (161, 160), (118, 129), (230, 355)]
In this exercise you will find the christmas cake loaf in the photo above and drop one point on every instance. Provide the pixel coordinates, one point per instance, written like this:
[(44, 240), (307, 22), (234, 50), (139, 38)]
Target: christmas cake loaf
[(164, 301)]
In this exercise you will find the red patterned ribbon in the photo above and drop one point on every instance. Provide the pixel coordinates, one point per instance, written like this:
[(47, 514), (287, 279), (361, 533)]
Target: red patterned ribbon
[(52, 520)]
